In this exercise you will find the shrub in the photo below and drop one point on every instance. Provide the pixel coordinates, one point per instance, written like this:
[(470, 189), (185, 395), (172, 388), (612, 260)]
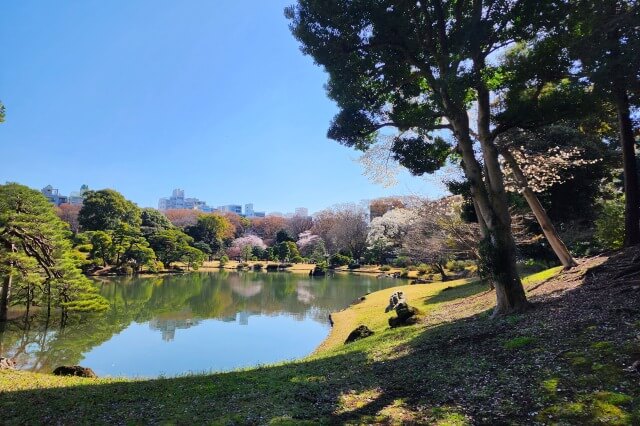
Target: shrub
[(84, 248), (340, 260), (297, 259), (402, 262), (354, 266), (385, 268), (455, 265), (404, 273), (610, 224), (258, 266), (224, 260), (423, 269)]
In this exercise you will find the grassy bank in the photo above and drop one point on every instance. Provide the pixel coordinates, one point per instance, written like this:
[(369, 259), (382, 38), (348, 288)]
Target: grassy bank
[(566, 362)]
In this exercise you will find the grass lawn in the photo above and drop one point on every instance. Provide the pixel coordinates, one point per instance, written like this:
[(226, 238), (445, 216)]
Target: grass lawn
[(455, 367)]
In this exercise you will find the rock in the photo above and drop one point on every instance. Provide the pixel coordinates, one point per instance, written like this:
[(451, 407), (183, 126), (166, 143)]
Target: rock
[(74, 370), (7, 364), (420, 281), (360, 332), (394, 300), (405, 314)]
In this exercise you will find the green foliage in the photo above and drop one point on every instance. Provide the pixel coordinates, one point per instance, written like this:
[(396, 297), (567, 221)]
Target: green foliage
[(104, 210), (610, 224), (224, 260), (211, 229), (340, 260), (173, 245), (455, 265), (37, 263), (519, 342), (401, 262), (282, 236), (385, 268)]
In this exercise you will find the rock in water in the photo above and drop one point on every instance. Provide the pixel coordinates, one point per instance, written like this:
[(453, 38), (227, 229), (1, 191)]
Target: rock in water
[(360, 332), (7, 364), (74, 370)]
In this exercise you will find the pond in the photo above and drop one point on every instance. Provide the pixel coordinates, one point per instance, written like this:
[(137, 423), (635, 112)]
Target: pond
[(177, 324)]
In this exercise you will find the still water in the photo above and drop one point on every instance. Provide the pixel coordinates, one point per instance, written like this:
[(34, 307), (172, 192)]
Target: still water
[(176, 324)]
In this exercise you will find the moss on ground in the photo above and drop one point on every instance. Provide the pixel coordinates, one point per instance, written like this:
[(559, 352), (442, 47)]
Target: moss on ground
[(455, 367)]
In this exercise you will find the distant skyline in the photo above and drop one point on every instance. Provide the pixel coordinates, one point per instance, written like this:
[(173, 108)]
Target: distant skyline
[(147, 96)]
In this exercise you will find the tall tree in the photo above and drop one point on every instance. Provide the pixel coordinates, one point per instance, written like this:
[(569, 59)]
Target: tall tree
[(106, 209), (419, 67), (213, 230), (36, 255), (605, 37)]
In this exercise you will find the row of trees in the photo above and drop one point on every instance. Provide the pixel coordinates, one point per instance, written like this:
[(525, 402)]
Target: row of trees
[(468, 82)]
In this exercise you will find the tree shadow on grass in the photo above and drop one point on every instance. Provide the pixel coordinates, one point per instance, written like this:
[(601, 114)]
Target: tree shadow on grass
[(449, 294), (468, 369)]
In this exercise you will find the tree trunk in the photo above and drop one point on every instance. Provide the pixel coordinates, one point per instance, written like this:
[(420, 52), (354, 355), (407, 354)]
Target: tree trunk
[(5, 295), (558, 246), (509, 290), (495, 215), (631, 190)]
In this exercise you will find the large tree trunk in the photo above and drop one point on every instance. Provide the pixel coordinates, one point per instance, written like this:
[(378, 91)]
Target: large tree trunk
[(490, 201), (631, 190), (509, 290), (4, 296), (558, 246)]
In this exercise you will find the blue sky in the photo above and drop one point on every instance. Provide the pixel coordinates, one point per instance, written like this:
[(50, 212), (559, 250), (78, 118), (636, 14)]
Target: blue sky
[(146, 96)]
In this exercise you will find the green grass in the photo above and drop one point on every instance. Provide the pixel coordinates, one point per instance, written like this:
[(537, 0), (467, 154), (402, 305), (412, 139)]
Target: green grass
[(456, 367)]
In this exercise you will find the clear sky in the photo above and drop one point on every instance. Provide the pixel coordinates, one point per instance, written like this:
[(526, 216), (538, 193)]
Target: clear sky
[(213, 96)]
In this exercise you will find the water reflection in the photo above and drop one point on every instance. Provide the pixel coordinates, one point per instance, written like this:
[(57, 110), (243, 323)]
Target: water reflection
[(192, 322)]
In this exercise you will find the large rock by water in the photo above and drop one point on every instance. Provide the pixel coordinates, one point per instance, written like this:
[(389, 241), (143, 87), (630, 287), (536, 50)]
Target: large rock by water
[(360, 332), (74, 370)]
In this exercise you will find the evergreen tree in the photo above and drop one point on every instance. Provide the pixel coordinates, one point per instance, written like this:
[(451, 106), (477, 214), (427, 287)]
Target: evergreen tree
[(36, 261)]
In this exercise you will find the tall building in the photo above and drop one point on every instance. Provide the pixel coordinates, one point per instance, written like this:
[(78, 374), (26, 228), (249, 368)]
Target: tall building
[(178, 201), (53, 195), (250, 212), (232, 208), (77, 197)]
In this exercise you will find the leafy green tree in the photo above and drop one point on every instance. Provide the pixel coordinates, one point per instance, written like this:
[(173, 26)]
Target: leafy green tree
[(610, 230), (153, 220), (173, 245), (283, 235), (213, 230), (36, 256), (2, 112), (203, 247), (419, 67), (105, 209), (192, 257), (102, 247), (605, 37)]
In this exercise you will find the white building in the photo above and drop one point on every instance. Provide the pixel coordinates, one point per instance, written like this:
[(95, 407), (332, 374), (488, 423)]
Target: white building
[(178, 201), (53, 195)]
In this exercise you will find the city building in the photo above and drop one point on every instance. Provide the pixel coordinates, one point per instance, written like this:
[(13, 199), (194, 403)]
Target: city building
[(177, 201), (53, 195), (231, 208), (76, 198), (250, 212)]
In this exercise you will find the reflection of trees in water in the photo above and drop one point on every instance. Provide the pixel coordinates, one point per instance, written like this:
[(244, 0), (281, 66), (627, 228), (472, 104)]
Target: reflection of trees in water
[(173, 302)]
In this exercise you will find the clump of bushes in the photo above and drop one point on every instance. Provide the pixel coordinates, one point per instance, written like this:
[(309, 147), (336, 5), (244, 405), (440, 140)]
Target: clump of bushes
[(224, 260), (456, 265), (424, 269), (340, 260), (610, 224), (354, 266), (402, 262), (258, 266), (297, 259), (404, 273), (385, 268)]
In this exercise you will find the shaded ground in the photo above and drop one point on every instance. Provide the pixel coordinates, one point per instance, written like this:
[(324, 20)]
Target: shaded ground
[(569, 361)]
